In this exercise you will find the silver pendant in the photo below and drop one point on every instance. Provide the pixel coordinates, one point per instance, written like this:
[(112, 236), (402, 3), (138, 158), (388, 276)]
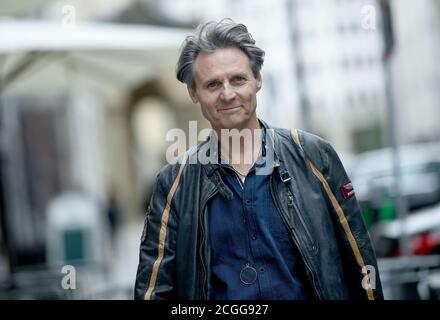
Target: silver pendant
[(248, 275)]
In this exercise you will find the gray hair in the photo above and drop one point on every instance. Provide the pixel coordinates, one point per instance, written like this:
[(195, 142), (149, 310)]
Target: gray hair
[(211, 36)]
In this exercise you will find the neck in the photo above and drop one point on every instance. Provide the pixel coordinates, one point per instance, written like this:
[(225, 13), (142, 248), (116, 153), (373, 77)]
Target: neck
[(241, 147)]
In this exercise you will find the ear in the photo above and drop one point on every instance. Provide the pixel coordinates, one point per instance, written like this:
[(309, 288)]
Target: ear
[(192, 93), (259, 82)]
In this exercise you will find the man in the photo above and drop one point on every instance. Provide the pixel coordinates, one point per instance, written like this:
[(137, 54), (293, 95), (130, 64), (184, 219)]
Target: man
[(271, 215)]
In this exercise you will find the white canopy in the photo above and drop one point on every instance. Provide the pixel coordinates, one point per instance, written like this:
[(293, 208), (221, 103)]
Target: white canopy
[(26, 35), (104, 53)]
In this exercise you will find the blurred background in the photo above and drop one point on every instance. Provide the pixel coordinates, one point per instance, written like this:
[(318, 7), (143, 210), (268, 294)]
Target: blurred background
[(88, 94)]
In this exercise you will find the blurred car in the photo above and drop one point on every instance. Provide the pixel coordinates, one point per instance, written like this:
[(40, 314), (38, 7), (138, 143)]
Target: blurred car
[(373, 179), (422, 228), (416, 276)]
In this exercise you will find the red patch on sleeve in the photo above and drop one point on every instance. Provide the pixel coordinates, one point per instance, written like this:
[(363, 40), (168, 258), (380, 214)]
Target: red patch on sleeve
[(347, 190)]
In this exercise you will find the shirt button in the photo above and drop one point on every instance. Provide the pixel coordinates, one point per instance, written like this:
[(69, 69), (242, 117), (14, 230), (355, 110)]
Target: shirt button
[(254, 237), (248, 201), (262, 270)]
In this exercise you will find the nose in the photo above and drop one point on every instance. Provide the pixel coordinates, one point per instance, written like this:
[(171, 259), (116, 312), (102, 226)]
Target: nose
[(228, 93)]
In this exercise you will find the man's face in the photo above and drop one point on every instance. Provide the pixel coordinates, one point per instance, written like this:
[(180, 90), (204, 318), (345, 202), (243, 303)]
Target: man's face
[(226, 88)]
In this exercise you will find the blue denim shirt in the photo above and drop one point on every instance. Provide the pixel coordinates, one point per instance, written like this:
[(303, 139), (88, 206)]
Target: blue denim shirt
[(249, 231)]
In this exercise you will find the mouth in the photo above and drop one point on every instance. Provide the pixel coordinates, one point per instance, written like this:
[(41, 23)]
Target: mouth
[(229, 109)]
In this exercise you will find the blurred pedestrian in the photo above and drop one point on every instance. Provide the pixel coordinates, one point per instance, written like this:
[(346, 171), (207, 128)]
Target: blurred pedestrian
[(113, 216)]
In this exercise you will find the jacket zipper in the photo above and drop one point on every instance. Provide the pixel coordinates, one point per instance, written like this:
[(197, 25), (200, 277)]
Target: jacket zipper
[(202, 231), (295, 239), (301, 218)]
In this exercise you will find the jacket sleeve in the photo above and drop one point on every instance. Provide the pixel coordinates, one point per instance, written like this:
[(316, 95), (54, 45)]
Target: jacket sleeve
[(156, 270), (360, 265)]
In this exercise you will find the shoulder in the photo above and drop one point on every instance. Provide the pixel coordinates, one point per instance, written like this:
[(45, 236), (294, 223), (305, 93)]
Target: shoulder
[(313, 142), (312, 146), (189, 160), (308, 140), (320, 151)]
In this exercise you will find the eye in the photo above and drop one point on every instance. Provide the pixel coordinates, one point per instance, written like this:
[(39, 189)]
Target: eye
[(239, 79), (212, 85)]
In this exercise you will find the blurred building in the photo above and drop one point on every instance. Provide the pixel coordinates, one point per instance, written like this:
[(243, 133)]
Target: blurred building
[(87, 96), (340, 52), (415, 70)]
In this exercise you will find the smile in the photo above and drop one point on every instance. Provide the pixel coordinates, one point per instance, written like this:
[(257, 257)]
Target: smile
[(229, 110)]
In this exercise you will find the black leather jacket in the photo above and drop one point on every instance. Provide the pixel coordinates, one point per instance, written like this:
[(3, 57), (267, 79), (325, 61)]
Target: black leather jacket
[(305, 185)]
